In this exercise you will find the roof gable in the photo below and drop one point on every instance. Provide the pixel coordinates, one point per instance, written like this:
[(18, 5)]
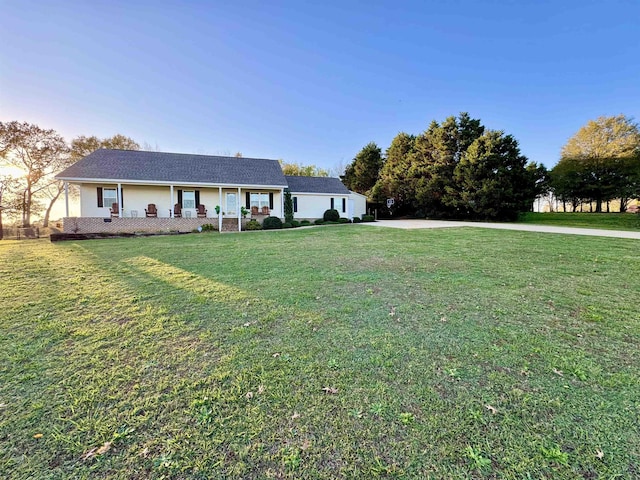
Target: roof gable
[(141, 166)]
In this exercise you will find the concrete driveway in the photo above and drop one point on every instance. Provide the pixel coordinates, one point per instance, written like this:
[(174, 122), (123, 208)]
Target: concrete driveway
[(412, 224)]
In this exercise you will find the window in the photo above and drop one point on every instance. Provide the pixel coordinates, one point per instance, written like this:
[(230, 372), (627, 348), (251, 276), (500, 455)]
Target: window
[(295, 204), (259, 200), (188, 199), (332, 204), (344, 205), (109, 197)]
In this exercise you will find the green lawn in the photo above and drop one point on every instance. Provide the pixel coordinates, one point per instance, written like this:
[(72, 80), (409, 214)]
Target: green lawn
[(333, 352), (608, 221)]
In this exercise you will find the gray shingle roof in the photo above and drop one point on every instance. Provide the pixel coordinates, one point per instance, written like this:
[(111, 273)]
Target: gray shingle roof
[(141, 166), (316, 185)]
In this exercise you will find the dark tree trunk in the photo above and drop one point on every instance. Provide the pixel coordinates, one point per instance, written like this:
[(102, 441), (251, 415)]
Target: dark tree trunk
[(45, 220), (623, 204)]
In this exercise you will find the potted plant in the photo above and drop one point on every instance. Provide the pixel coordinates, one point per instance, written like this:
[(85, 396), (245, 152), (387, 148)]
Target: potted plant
[(244, 212), (217, 209)]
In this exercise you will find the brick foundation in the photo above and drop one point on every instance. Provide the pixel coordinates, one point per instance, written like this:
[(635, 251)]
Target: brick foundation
[(144, 224)]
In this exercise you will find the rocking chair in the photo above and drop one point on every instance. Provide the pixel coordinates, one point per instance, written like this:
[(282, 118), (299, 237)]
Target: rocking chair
[(151, 210)]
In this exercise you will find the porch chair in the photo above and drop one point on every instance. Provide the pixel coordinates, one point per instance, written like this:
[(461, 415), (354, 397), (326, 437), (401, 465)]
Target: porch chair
[(254, 210), (202, 212), (151, 210), (265, 210), (177, 210), (115, 210)]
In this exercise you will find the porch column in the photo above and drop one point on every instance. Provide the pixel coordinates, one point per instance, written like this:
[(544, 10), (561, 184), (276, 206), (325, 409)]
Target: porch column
[(66, 198), (239, 208), (220, 214), (282, 203), (171, 197), (120, 215)]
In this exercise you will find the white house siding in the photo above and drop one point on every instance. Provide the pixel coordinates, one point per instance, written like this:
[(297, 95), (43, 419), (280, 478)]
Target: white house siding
[(359, 205), (313, 205), (136, 198)]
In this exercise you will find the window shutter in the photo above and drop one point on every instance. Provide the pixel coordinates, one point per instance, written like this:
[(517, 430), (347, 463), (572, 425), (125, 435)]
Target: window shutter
[(248, 200), (344, 205), (100, 204), (270, 200), (295, 204), (122, 197), (180, 197), (332, 203), (197, 198)]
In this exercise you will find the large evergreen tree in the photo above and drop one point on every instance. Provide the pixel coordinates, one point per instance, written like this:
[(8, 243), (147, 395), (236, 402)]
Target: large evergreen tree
[(393, 181), (361, 174), (492, 181)]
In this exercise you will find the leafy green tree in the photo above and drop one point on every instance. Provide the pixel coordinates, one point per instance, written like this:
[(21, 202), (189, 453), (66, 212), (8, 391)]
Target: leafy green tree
[(39, 153), (299, 170), (437, 153), (82, 146), (361, 174), (288, 206), (492, 181), (601, 162), (393, 181), (7, 200)]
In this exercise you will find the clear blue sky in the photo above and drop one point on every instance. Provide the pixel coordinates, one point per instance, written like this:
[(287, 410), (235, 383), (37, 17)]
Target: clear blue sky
[(313, 82)]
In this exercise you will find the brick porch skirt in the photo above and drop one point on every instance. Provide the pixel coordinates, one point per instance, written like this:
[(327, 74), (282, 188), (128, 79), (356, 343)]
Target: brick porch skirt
[(144, 224)]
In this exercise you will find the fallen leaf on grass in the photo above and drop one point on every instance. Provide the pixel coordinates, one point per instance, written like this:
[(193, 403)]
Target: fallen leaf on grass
[(330, 390), (295, 415), (305, 445), (249, 395), (97, 451), (276, 355), (260, 389), (392, 312), (599, 454), (558, 372), (38, 435), (493, 410), (104, 448)]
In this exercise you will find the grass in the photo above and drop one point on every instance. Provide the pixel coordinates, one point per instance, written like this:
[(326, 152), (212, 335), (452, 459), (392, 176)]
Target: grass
[(608, 221), (344, 352)]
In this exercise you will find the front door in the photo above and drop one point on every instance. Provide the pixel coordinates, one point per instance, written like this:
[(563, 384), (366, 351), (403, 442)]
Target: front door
[(232, 204)]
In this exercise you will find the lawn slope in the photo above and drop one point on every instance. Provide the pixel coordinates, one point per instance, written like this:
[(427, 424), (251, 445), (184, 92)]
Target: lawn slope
[(331, 352)]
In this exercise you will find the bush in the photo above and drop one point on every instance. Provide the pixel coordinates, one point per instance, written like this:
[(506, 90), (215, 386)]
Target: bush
[(253, 225), (357, 219), (331, 215), (330, 222), (305, 223), (368, 218), (319, 221), (287, 225), (207, 227), (271, 223), (343, 220), (295, 223)]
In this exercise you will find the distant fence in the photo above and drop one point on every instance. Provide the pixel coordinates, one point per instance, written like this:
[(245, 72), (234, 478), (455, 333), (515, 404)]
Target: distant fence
[(20, 233)]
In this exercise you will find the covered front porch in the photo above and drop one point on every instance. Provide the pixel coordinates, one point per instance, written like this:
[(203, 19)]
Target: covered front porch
[(220, 204)]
